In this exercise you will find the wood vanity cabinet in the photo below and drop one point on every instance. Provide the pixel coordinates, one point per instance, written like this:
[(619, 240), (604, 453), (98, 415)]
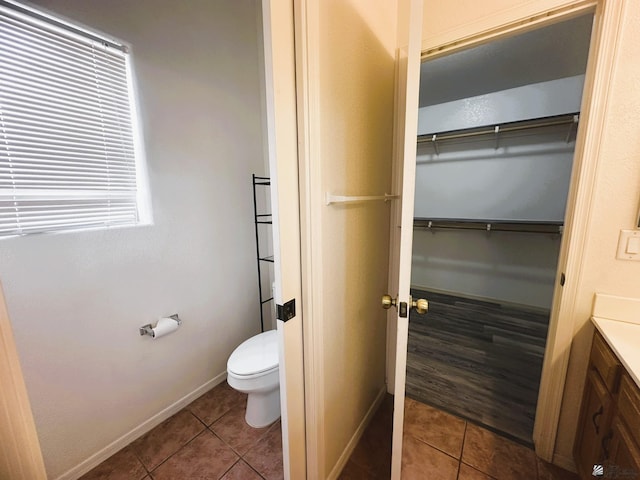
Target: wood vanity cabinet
[(623, 453), (609, 423), (594, 425)]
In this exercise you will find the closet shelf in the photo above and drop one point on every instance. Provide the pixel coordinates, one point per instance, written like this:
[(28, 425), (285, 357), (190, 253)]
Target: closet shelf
[(488, 225), (570, 120)]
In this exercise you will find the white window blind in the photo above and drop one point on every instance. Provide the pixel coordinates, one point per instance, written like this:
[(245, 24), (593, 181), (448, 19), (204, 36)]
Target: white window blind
[(67, 143)]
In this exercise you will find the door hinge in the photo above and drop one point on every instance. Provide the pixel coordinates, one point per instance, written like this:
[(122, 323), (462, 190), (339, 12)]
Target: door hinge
[(287, 311)]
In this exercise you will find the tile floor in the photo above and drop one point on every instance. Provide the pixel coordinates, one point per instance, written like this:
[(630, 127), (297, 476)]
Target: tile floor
[(440, 446), (208, 440)]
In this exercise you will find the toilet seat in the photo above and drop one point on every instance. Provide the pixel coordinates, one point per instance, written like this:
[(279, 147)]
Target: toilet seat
[(255, 357)]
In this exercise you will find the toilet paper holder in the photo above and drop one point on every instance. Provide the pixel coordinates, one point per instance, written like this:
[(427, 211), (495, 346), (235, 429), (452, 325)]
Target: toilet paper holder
[(148, 328)]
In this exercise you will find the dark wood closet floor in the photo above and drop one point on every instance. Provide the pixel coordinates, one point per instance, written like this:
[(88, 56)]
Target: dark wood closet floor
[(479, 360)]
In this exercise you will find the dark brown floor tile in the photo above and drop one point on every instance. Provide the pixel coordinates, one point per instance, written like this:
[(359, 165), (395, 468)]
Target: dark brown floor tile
[(497, 456), (353, 471), (435, 427), (547, 471), (167, 438), (233, 429), (241, 471), (373, 452), (216, 402), (206, 457), (124, 465), (423, 462), (266, 456), (470, 473), (385, 411), (381, 424)]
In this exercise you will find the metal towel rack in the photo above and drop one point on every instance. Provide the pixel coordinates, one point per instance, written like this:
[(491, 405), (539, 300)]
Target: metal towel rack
[(333, 199), (261, 219)]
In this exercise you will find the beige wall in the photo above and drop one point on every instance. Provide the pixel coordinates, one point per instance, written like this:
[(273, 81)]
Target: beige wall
[(76, 300), (617, 187), (355, 88), (445, 22)]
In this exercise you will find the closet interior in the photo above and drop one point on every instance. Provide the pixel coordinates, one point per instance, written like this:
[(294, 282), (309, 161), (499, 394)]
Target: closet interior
[(496, 138)]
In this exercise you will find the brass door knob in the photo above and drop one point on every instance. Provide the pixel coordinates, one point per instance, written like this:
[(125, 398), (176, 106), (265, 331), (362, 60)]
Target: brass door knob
[(388, 302), (421, 306)]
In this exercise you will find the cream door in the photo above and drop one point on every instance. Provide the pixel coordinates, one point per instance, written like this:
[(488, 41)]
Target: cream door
[(20, 456), (278, 28), (408, 85)]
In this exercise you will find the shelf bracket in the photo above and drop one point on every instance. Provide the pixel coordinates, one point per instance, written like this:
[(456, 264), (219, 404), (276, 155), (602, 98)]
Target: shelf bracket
[(576, 119)]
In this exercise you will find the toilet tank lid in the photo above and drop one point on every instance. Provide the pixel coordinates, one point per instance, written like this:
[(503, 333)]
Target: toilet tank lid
[(258, 354)]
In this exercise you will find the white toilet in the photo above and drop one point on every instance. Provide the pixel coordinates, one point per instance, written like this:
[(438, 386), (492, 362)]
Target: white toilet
[(252, 368)]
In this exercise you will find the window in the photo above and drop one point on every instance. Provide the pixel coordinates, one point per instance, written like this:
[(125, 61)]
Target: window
[(69, 154)]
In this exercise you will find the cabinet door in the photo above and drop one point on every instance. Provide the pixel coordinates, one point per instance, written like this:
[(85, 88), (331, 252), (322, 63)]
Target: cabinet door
[(594, 425), (624, 454)]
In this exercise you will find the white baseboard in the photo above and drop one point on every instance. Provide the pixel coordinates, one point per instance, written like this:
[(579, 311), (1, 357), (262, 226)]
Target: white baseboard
[(344, 458), (117, 445)]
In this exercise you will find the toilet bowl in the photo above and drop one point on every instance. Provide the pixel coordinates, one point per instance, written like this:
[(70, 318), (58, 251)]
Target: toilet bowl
[(253, 369)]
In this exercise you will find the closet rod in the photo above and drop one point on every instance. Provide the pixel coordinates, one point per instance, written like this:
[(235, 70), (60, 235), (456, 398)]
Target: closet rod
[(488, 225), (507, 127)]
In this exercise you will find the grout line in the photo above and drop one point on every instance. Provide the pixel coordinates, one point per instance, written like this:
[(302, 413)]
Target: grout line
[(434, 447), (135, 454), (225, 442), (199, 419), (177, 451), (233, 465), (491, 477), (252, 468), (464, 438)]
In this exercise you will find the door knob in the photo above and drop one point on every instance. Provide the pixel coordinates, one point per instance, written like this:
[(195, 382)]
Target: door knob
[(421, 306), (388, 302)]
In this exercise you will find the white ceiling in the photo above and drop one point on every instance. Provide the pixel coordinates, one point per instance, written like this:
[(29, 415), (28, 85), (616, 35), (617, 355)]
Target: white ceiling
[(548, 53)]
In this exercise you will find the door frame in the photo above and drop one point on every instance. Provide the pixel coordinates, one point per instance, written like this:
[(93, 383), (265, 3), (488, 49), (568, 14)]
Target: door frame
[(602, 51), (20, 455), (282, 147), (401, 235), (307, 36)]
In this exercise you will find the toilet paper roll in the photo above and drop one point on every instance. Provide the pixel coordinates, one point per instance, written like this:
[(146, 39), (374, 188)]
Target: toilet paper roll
[(164, 327)]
